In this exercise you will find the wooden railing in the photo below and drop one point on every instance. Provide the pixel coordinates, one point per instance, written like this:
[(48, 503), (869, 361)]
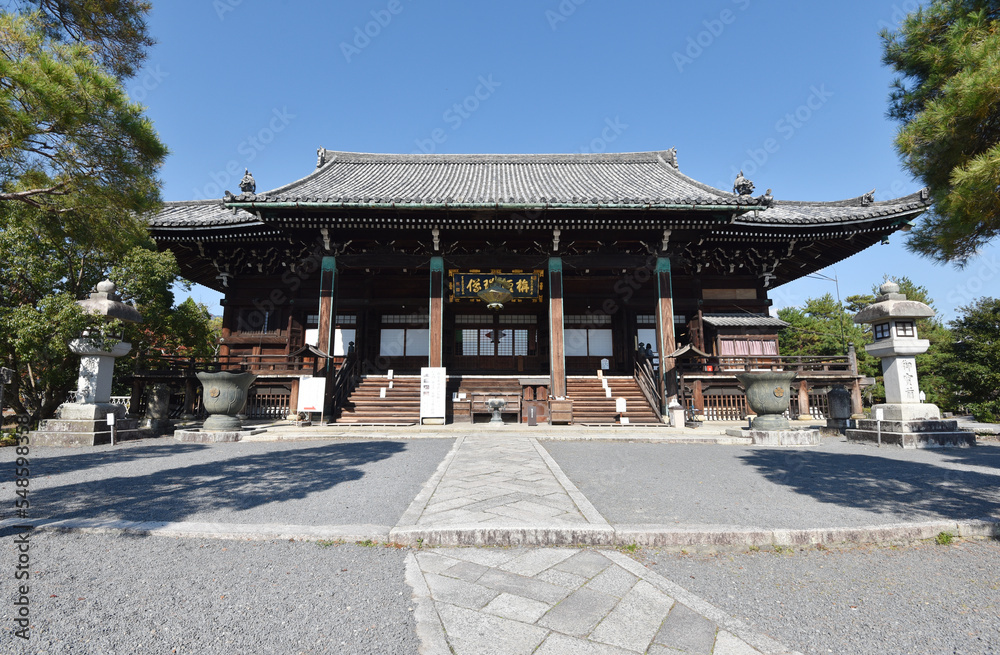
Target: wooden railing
[(255, 363), (646, 379), (733, 364), (345, 381)]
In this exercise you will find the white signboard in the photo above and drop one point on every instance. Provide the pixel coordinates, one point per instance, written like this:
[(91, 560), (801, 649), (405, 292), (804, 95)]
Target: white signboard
[(620, 405), (311, 392), (433, 388)]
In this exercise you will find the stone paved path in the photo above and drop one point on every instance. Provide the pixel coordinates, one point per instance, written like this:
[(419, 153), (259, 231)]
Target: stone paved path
[(569, 601), (543, 601), (500, 481)]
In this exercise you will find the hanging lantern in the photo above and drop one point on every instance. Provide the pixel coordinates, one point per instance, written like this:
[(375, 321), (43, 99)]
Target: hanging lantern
[(496, 293)]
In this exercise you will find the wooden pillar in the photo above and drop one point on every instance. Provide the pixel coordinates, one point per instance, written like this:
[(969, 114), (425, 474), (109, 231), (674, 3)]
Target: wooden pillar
[(857, 406), (665, 332), (699, 398), (804, 414), (436, 350), (190, 395), (557, 350), (327, 289), (327, 281), (293, 397), (134, 400), (227, 329)]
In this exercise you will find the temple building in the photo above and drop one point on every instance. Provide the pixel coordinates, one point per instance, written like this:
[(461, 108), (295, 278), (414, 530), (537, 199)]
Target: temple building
[(532, 276)]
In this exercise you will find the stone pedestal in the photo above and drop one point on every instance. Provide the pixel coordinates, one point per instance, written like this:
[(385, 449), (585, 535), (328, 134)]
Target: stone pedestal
[(912, 433), (778, 437), (80, 424)]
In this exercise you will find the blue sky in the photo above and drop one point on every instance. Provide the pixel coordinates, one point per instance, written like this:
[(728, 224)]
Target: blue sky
[(794, 93)]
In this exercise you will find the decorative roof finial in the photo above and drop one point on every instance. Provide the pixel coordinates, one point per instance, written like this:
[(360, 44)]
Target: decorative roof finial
[(742, 186), (247, 184)]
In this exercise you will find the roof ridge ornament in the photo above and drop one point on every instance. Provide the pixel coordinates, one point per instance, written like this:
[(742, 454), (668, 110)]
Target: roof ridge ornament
[(320, 157), (247, 184), (742, 186), (868, 198), (672, 158)]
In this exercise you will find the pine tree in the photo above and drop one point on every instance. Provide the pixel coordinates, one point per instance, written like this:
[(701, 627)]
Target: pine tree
[(70, 138), (947, 97)]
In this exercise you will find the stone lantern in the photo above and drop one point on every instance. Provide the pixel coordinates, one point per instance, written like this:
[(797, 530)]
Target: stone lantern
[(84, 422), (903, 419)]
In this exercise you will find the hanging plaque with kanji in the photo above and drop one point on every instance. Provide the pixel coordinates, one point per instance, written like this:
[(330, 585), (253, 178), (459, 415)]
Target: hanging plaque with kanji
[(523, 286)]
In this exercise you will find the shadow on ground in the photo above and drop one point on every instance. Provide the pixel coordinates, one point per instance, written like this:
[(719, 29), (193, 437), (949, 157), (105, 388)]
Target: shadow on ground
[(80, 459), (239, 483), (889, 484)]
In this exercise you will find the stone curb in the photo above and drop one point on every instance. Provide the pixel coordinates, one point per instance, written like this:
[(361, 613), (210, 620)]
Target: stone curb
[(513, 535), (184, 529), (419, 503), (585, 506), (430, 630)]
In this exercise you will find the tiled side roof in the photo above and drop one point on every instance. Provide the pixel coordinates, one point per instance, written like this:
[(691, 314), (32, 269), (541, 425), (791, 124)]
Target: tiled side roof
[(200, 213), (644, 178), (743, 320), (853, 210)]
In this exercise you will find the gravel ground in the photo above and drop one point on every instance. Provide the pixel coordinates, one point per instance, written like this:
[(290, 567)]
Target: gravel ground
[(334, 482), (116, 595), (833, 485), (923, 599)]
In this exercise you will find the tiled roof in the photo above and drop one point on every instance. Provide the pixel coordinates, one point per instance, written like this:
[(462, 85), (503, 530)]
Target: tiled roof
[(200, 213), (641, 179), (574, 180), (853, 210), (743, 320)]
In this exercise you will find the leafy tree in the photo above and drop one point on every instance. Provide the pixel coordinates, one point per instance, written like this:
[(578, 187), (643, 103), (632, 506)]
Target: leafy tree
[(972, 367), (947, 97), (822, 327), (70, 138), (48, 266)]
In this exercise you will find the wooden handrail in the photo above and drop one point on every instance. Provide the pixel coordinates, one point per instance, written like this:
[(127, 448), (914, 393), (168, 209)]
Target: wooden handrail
[(647, 384), (345, 381)]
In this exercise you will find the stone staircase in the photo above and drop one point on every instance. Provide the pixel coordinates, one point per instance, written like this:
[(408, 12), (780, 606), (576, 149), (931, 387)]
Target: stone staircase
[(401, 405), (592, 406)]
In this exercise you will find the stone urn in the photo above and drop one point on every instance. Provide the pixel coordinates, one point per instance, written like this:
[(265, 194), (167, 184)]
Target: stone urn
[(225, 394), (767, 395), (497, 405)]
